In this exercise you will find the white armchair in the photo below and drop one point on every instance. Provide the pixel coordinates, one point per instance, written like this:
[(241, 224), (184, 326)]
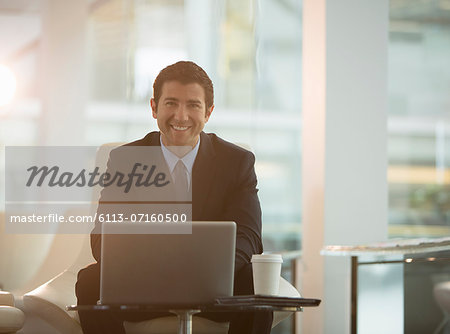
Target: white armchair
[(48, 302)]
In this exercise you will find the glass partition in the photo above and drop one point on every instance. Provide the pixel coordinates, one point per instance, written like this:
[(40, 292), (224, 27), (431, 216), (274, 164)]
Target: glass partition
[(419, 118)]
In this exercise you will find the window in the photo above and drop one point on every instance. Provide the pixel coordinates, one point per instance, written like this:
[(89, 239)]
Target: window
[(251, 50), (419, 119)]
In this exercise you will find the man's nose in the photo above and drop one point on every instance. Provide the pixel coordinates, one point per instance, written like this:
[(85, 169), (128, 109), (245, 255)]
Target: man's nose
[(181, 114)]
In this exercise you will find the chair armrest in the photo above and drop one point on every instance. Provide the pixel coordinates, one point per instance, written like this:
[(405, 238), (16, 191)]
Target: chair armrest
[(6, 298), (11, 318), (59, 291), (49, 302), (287, 289)]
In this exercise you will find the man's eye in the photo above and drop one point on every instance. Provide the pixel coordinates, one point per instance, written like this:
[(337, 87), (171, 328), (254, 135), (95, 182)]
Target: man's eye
[(170, 103), (194, 105)]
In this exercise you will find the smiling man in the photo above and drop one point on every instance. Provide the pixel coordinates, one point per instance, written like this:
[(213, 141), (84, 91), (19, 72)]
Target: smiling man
[(221, 177)]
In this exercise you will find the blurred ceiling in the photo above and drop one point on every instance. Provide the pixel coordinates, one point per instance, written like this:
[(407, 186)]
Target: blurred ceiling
[(19, 6)]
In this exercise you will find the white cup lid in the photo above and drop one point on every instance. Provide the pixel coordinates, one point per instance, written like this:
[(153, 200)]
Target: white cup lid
[(267, 258)]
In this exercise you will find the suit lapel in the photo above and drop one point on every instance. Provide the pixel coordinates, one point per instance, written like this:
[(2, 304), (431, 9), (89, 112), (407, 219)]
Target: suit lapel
[(202, 175)]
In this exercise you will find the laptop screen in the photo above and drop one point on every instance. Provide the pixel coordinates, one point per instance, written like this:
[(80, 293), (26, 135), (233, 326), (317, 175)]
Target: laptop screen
[(176, 269)]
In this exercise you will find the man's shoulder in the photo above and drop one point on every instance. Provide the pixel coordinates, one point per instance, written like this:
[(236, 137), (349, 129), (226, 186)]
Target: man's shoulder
[(220, 146), (150, 139), (223, 146), (126, 150), (227, 151)]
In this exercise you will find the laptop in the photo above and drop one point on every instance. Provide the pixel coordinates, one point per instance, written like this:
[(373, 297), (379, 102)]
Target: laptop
[(161, 269)]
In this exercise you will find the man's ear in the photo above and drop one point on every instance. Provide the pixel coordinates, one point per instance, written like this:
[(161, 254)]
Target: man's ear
[(208, 113), (154, 109)]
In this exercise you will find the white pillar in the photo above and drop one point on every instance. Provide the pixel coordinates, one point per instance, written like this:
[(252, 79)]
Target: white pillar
[(344, 146), (63, 72)]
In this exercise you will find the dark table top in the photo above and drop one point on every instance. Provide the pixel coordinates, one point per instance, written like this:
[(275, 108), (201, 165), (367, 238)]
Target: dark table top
[(201, 308), (228, 304)]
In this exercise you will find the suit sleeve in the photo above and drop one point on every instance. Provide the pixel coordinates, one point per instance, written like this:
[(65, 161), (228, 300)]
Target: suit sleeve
[(96, 240), (244, 208)]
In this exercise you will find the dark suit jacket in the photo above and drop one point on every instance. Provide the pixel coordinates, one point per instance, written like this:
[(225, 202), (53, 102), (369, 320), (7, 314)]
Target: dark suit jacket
[(223, 189)]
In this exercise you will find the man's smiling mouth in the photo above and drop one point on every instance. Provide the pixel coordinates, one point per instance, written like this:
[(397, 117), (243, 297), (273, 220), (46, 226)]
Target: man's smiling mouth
[(180, 128)]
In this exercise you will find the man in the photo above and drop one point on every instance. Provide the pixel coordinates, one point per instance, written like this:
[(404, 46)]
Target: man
[(223, 182)]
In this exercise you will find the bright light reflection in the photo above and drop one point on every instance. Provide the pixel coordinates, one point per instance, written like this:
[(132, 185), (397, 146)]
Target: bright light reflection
[(7, 85)]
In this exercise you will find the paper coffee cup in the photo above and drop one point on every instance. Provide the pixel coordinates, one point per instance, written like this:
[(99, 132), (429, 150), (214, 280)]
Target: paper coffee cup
[(266, 273)]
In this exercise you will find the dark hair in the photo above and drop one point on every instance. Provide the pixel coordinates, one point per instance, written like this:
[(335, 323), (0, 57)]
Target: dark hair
[(185, 72)]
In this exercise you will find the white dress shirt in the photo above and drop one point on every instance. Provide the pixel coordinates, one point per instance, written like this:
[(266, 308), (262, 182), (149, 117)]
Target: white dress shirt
[(188, 160)]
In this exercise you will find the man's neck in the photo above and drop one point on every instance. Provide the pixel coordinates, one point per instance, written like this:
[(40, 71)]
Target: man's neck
[(179, 151)]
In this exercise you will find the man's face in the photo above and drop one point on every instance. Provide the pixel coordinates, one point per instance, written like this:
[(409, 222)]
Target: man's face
[(181, 113)]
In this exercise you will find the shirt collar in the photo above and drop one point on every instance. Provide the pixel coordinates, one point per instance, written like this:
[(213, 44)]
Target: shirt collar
[(172, 159)]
